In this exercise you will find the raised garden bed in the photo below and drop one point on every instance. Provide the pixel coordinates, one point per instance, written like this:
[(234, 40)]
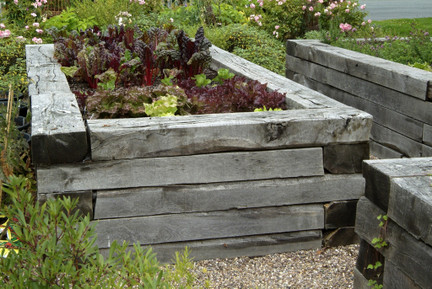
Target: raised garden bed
[(224, 184), (398, 96)]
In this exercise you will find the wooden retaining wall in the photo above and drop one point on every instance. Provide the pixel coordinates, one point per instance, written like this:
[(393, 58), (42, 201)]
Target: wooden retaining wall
[(400, 189), (224, 184), (398, 96)]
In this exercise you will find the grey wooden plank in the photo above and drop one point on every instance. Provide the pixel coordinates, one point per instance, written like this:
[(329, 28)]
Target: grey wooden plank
[(415, 192), (382, 152), (396, 279), (396, 141), (427, 134), (169, 136), (84, 205), (378, 175), (389, 98), (251, 246), (39, 55), (298, 96), (344, 158), (411, 256), (195, 169), (223, 196), (201, 226), (360, 282), (340, 237), (58, 130), (393, 75), (386, 117)]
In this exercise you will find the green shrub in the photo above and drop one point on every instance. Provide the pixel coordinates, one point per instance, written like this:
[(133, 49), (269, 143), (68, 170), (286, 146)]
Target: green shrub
[(68, 20), (58, 251), (12, 65), (250, 43), (108, 10)]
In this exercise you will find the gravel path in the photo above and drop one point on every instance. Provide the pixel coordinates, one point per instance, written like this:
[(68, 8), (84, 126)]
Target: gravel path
[(328, 268)]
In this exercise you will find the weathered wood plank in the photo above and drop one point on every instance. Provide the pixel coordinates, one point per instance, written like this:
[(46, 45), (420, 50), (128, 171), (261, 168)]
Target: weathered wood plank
[(389, 118), (412, 256), (340, 237), (383, 152), (235, 247), (85, 200), (170, 136), (427, 134), (394, 278), (58, 131), (396, 141), (340, 214), (378, 175), (389, 98), (298, 96), (393, 75), (344, 158), (415, 192), (360, 282), (220, 224), (224, 196), (195, 169)]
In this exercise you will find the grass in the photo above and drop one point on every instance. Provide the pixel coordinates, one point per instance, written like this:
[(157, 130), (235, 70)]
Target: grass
[(402, 27)]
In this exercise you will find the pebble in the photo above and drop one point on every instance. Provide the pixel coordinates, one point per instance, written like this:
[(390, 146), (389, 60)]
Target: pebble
[(319, 268)]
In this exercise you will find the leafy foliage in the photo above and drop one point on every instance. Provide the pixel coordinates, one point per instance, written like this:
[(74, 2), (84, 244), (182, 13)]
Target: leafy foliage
[(68, 20), (234, 95), (136, 57), (12, 66), (58, 250)]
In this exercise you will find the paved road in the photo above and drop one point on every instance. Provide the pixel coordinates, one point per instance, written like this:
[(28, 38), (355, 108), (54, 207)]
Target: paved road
[(394, 9)]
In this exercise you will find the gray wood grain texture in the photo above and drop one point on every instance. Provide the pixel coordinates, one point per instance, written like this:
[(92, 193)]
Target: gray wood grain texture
[(360, 282), (195, 169), (396, 141), (409, 80), (396, 279), (383, 152), (185, 135), (43, 70), (212, 225), (412, 256), (345, 158), (378, 175), (427, 134), (298, 96), (386, 117), (387, 97), (224, 196), (251, 246), (58, 131), (410, 206)]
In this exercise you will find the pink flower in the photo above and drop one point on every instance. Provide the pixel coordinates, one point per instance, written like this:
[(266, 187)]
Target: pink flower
[(317, 14), (37, 40), (311, 8), (345, 27), (277, 27), (39, 31), (33, 14), (321, 1), (20, 38), (304, 7), (142, 2), (347, 10), (2, 26), (363, 23), (369, 21), (27, 27), (261, 4), (4, 34), (36, 24), (362, 7), (16, 2), (252, 6)]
